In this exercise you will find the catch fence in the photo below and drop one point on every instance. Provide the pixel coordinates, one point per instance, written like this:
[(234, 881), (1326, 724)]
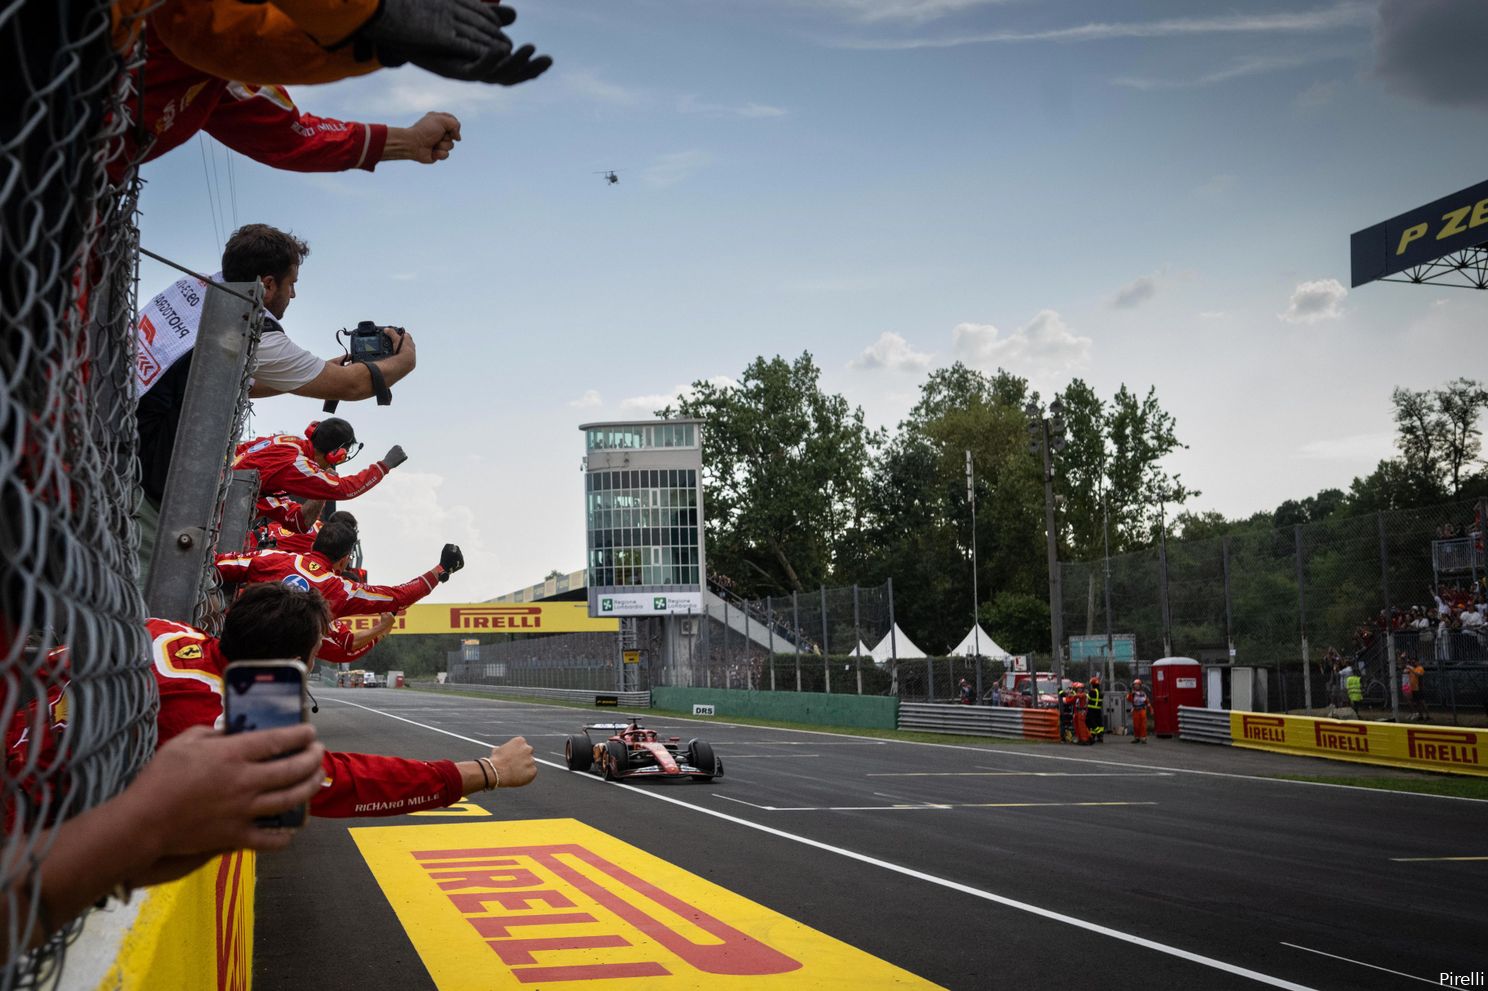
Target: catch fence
[(1287, 599)]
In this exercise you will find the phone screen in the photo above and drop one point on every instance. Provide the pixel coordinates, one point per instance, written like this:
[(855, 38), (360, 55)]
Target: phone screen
[(260, 695)]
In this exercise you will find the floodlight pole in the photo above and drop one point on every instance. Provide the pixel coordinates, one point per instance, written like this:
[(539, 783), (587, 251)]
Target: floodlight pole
[(1039, 429), (976, 623)]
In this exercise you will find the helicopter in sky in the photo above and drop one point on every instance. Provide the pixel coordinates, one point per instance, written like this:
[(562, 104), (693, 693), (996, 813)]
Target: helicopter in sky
[(611, 176)]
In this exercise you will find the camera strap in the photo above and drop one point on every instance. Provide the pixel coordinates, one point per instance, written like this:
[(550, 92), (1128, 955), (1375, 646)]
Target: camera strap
[(379, 385)]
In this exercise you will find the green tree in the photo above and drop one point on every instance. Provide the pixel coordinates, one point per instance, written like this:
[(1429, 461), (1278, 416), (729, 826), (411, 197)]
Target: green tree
[(785, 474)]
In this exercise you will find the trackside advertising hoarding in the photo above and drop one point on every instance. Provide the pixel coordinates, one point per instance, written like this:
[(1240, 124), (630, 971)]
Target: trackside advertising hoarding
[(1445, 749), (492, 617), (1452, 223), (648, 603)]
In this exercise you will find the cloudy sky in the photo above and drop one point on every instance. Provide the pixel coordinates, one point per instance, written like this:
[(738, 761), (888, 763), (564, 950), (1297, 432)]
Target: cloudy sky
[(1154, 193)]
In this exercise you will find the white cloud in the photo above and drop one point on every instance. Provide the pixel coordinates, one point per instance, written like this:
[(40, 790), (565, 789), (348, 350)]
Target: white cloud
[(588, 400), (1043, 347), (1321, 299), (657, 400), (1237, 69), (1367, 448), (1351, 14), (1135, 293), (916, 11), (894, 353), (404, 525), (670, 169), (589, 86)]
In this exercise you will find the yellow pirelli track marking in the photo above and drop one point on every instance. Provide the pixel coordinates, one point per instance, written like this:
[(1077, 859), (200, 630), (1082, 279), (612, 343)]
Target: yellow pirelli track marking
[(464, 808), (554, 903)]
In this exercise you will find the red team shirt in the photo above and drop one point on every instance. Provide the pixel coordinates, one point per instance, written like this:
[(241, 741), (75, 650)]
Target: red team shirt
[(314, 571), (286, 467)]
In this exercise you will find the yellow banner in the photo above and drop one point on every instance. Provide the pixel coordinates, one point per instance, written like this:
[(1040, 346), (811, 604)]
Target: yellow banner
[(476, 618), (555, 903), (1447, 749)]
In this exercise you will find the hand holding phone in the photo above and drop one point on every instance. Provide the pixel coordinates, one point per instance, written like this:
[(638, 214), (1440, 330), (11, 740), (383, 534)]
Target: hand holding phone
[(261, 695)]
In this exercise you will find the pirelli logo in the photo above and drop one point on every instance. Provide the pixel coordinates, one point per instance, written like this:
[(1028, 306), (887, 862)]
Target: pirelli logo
[(1263, 729), (1444, 746), (1347, 738), (496, 617)]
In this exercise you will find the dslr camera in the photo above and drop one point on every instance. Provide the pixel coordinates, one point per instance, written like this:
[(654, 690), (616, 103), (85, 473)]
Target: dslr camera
[(368, 345)]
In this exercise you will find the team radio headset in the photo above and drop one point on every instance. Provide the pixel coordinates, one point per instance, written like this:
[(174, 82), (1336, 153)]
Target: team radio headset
[(337, 456)]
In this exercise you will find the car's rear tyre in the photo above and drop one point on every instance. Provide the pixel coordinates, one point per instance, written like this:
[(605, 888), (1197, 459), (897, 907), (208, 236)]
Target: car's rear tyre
[(701, 757), (617, 759), (578, 753)]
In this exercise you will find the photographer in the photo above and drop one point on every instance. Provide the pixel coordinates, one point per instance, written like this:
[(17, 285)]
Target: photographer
[(166, 338)]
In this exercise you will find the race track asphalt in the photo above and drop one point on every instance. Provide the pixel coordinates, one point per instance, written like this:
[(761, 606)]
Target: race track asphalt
[(1002, 865)]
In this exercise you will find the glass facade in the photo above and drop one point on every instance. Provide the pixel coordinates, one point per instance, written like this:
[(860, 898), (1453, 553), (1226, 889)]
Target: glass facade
[(643, 522), (633, 437)]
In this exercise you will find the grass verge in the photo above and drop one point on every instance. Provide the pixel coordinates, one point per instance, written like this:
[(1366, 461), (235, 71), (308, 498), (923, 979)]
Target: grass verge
[(910, 736), (1457, 787)]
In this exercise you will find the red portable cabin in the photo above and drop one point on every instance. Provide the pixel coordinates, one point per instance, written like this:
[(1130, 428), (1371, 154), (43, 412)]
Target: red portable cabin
[(1175, 681)]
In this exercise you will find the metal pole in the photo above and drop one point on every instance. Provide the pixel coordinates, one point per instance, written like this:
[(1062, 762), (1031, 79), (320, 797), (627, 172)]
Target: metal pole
[(727, 679), (1302, 624), (1056, 597), (770, 627), (748, 651), (796, 618), (1110, 638), (826, 650), (857, 641), (188, 507), (237, 511), (1224, 553), (1389, 619), (1162, 579), (893, 644), (976, 622)]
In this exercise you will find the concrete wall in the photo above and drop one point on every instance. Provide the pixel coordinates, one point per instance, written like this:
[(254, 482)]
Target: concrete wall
[(813, 708)]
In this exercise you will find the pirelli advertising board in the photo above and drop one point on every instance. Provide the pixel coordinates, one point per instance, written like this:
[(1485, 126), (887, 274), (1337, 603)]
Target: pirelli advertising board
[(492, 617), (1447, 749), (1452, 223)]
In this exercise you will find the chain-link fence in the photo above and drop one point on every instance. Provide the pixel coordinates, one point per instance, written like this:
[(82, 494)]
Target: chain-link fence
[(78, 688), (584, 661), (1307, 602)]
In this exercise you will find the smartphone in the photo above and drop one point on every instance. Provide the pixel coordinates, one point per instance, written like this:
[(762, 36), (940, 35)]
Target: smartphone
[(261, 695)]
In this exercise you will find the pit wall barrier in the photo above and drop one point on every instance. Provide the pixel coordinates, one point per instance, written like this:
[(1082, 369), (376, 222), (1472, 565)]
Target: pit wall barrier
[(978, 720), (194, 934), (813, 708), (1443, 749)]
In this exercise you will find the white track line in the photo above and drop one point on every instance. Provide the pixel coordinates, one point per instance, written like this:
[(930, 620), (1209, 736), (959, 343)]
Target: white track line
[(1020, 774), (966, 889), (1022, 751), (1361, 963), (1426, 860), (921, 806)]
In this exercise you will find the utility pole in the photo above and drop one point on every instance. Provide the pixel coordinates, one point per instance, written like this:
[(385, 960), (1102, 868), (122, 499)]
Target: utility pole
[(976, 623), (1046, 435)]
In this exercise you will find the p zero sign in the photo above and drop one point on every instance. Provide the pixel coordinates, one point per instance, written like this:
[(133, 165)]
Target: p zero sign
[(1421, 236)]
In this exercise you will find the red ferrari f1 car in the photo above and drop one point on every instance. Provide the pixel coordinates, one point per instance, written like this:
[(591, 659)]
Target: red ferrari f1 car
[(629, 751)]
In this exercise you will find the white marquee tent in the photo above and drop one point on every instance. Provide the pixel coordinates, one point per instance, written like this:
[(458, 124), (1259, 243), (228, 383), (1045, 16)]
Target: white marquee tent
[(861, 650), (895, 643), (977, 641)]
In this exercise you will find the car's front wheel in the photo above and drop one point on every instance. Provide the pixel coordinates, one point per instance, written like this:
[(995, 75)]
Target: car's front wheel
[(578, 754), (617, 760), (701, 757)]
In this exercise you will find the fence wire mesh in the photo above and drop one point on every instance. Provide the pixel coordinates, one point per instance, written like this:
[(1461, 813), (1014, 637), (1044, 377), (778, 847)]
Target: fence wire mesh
[(77, 683), (1307, 601), (584, 661)]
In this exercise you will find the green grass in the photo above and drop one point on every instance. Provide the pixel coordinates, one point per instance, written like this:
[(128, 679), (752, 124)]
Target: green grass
[(878, 734), (1457, 787)]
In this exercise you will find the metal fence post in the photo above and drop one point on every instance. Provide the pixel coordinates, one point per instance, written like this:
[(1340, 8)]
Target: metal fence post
[(857, 639), (893, 644), (796, 619), (188, 507), (826, 651), (748, 651), (727, 679), (237, 512), (1302, 623), (1162, 590), (1389, 619), (770, 620)]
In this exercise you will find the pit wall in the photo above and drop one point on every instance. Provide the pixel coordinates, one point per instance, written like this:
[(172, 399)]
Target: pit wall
[(1444, 749), (812, 708), (194, 934)]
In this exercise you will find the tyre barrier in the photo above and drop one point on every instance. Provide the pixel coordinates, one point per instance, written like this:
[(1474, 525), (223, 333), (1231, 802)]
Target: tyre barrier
[(584, 696), (978, 720), (1420, 747)]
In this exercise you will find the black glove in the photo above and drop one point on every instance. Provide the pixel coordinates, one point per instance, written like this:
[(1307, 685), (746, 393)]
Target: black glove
[(394, 457), (506, 68), (463, 30), (451, 560)]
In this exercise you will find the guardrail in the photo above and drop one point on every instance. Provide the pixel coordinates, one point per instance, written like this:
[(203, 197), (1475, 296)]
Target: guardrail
[(584, 696), (978, 720), (1202, 725)]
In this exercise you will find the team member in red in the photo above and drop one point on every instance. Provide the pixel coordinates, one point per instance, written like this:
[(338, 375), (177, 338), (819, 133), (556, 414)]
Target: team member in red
[(305, 468), (276, 621), (1140, 705), (318, 570), (300, 539)]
